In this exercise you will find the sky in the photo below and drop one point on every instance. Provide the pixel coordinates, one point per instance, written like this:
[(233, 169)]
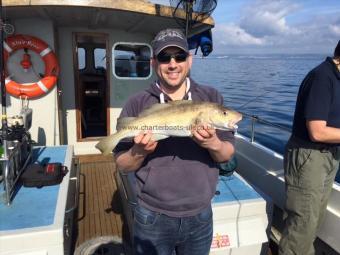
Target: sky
[(275, 26)]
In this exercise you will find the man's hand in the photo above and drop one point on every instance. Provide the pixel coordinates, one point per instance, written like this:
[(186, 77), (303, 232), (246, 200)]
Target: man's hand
[(132, 159), (206, 137), (144, 144)]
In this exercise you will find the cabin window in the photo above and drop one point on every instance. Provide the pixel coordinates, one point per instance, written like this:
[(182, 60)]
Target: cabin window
[(99, 58), (81, 59), (131, 60)]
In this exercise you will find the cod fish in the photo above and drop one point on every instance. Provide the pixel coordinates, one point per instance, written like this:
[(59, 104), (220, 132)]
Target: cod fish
[(176, 118)]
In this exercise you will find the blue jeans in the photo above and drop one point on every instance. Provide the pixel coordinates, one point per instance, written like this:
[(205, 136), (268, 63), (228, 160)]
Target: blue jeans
[(159, 234)]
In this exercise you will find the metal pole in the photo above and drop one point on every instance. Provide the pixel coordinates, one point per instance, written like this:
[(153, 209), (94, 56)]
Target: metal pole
[(2, 78), (5, 163), (186, 19), (252, 135), (188, 16)]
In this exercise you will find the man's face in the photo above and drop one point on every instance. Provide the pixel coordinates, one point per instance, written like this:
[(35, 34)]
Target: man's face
[(173, 71)]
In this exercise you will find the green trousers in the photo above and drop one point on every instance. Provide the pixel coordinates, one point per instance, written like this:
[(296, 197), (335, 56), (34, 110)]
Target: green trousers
[(309, 176)]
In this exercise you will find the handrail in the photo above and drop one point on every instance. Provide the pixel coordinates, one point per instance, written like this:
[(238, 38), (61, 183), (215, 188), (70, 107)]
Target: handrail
[(76, 179), (129, 200), (255, 118)]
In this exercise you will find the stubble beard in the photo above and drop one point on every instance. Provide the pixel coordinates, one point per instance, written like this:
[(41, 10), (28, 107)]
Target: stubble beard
[(173, 87)]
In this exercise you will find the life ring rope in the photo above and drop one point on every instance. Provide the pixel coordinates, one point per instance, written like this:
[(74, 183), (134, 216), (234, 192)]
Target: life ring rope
[(45, 84)]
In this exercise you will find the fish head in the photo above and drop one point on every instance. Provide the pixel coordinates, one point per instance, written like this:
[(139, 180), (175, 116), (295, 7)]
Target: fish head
[(225, 118)]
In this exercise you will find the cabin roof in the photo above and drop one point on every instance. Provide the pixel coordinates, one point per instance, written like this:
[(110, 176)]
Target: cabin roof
[(132, 15)]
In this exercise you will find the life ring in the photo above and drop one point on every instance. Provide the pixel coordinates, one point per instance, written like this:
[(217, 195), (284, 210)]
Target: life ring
[(44, 85)]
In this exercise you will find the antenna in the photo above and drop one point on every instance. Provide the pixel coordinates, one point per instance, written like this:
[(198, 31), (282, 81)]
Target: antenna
[(195, 11)]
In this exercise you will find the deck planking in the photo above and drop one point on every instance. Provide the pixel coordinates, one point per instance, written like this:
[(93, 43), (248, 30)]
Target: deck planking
[(100, 210)]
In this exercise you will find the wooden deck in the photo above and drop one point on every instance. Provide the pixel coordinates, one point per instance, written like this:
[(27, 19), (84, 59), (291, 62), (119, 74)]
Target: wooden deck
[(100, 212)]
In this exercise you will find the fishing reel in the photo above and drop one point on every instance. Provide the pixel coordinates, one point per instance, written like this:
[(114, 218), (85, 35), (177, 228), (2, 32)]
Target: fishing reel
[(19, 125), (17, 151), (16, 128)]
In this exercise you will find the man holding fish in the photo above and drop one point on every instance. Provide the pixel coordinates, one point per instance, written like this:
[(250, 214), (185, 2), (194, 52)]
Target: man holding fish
[(180, 133)]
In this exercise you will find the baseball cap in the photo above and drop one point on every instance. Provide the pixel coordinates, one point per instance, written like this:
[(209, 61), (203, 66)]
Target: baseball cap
[(169, 37)]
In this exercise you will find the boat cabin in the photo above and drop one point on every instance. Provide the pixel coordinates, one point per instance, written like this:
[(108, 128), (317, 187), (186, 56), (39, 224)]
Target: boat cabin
[(103, 52)]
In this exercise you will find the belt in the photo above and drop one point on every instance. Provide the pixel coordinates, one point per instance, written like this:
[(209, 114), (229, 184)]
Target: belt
[(323, 147)]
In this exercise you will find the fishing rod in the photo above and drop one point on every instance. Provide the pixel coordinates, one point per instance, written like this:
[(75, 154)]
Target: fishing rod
[(253, 99), (256, 118), (266, 122), (2, 81)]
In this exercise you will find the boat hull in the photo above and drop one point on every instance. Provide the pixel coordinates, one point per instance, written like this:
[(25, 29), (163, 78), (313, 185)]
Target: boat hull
[(263, 168)]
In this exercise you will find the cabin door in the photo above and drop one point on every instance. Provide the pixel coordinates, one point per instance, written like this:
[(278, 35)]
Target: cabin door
[(92, 86)]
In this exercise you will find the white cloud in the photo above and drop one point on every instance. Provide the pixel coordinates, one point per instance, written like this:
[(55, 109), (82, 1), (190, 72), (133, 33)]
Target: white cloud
[(277, 26), (335, 29), (267, 17), (230, 34)]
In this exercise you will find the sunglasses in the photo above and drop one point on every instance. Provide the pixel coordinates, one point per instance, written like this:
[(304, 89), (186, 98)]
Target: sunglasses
[(166, 58)]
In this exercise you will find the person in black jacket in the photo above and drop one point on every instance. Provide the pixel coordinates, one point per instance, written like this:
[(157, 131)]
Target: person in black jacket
[(312, 156)]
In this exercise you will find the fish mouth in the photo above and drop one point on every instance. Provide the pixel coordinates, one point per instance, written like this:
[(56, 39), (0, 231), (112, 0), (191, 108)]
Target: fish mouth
[(233, 123), (231, 126), (239, 118)]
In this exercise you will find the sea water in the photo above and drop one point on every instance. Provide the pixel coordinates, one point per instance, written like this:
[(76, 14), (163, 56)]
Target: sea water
[(264, 86)]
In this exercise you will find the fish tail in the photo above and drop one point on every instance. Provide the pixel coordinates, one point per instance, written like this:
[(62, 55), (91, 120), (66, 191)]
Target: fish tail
[(107, 144)]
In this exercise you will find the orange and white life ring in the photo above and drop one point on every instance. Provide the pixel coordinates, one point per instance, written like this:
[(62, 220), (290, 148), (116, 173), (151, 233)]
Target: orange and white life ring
[(44, 85)]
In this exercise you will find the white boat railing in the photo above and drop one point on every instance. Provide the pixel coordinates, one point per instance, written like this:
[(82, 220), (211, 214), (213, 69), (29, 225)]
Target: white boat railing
[(256, 119)]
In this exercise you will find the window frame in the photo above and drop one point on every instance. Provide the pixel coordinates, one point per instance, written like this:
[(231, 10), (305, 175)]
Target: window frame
[(114, 62), (85, 61)]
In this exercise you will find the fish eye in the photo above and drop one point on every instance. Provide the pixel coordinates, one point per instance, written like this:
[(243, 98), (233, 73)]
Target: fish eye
[(225, 113)]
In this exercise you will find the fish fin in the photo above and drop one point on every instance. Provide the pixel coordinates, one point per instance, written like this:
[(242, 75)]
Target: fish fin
[(157, 137), (124, 122), (107, 144), (160, 107), (153, 108)]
